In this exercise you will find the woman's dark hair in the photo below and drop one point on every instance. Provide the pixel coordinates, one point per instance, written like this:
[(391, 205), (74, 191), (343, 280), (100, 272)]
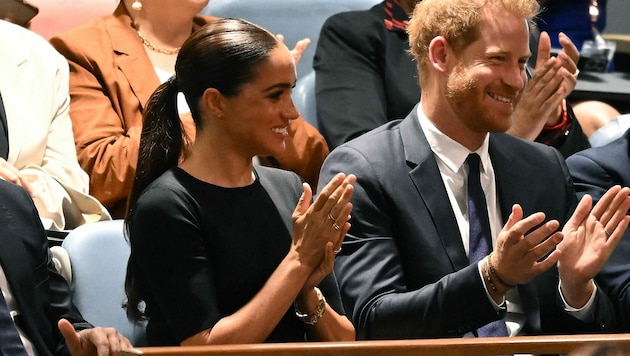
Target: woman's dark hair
[(224, 54)]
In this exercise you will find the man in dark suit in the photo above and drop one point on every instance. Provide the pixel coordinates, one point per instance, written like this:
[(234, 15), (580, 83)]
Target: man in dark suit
[(407, 268), (594, 171), (363, 58), (37, 296)]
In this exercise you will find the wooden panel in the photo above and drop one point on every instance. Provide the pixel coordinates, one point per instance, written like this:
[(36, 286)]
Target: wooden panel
[(560, 344)]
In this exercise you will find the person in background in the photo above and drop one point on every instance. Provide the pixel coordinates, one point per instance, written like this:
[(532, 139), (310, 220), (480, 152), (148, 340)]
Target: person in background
[(36, 141), (116, 62), (35, 296), (594, 115), (366, 77), (457, 228), (573, 17), (209, 211), (594, 171)]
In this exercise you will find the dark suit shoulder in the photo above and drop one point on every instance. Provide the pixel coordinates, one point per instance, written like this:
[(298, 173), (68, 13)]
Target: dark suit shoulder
[(359, 29), (377, 139), (617, 149), (356, 20)]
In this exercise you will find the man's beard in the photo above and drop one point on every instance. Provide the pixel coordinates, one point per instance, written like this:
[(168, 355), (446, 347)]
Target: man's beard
[(464, 100)]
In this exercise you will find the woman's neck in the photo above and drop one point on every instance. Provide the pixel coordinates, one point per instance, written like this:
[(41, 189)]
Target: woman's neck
[(162, 27), (219, 168)]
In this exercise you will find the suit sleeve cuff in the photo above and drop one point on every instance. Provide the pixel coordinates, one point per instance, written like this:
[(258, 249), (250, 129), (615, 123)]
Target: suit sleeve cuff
[(585, 313), (497, 307)]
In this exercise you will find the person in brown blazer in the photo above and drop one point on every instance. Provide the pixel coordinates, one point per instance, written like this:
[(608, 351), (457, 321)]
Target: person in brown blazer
[(116, 62)]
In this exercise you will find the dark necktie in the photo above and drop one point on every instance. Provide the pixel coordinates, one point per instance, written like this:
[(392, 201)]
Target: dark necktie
[(480, 237), (10, 342), (4, 132)]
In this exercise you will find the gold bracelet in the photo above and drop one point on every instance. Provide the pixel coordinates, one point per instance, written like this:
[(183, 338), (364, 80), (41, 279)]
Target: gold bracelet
[(488, 278), (311, 318)]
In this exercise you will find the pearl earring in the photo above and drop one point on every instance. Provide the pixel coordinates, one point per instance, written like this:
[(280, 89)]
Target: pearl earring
[(137, 5)]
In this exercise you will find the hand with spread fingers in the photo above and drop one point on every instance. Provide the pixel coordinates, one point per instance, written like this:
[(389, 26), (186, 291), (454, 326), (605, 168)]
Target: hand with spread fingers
[(520, 256), (553, 80), (299, 48), (590, 236)]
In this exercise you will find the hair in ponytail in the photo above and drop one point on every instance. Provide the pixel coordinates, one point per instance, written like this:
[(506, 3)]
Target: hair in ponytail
[(225, 55)]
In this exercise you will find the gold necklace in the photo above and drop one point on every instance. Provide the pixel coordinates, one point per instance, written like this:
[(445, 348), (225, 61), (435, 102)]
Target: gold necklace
[(155, 48)]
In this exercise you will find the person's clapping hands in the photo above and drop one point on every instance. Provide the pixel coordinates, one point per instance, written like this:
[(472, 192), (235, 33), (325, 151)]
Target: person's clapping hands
[(553, 80), (520, 256), (319, 228), (94, 341), (590, 237)]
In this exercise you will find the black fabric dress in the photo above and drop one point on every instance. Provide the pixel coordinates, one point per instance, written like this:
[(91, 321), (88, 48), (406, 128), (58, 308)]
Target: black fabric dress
[(204, 251)]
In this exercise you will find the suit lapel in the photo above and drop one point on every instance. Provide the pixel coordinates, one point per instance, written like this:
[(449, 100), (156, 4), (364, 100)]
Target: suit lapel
[(426, 177), (130, 55), (506, 171), (12, 87), (506, 174)]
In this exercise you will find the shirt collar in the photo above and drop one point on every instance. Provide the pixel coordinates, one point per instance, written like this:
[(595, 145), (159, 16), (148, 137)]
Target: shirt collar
[(449, 151)]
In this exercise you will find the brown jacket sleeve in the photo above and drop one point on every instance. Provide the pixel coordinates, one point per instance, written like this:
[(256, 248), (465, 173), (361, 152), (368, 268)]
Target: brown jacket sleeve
[(111, 79)]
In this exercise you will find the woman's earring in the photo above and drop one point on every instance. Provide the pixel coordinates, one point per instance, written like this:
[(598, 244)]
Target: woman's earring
[(137, 5)]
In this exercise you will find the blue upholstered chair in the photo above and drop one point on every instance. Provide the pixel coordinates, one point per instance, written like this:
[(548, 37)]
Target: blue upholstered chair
[(304, 98), (98, 256)]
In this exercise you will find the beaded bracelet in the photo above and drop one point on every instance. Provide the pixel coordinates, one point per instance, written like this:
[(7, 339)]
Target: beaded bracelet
[(488, 278), (494, 272), (311, 318)]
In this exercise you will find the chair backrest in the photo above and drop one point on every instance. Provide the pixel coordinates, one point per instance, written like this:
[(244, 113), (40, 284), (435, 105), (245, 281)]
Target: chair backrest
[(304, 98), (295, 19), (98, 255)]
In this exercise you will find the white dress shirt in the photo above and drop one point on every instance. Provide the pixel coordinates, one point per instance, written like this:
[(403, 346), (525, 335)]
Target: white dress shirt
[(451, 156)]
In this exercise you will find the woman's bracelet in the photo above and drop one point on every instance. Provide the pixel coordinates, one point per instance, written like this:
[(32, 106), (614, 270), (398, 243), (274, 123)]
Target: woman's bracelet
[(311, 318)]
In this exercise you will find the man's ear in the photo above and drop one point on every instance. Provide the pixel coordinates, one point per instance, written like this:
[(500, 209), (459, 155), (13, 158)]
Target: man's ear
[(214, 102), (440, 54)]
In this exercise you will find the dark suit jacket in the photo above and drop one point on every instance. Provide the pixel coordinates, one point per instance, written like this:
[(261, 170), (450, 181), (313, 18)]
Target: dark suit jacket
[(365, 77), (403, 271), (594, 171), (43, 296)]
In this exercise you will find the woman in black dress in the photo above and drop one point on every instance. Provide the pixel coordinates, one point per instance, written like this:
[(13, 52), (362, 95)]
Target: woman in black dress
[(224, 250)]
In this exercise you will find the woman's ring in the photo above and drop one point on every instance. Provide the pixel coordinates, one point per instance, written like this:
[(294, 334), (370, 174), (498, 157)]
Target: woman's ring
[(576, 73), (337, 227), (330, 216), (337, 251)]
